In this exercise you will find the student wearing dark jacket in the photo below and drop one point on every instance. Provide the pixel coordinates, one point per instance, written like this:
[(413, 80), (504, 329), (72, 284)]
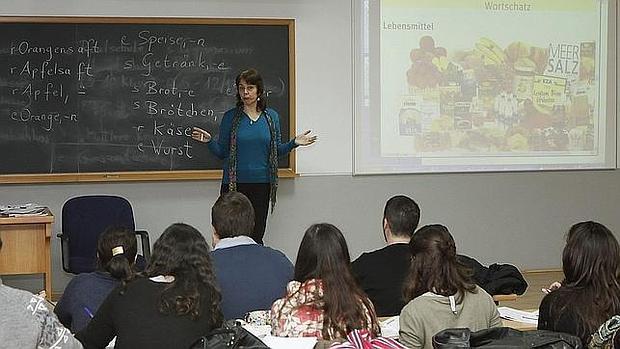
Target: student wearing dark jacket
[(381, 273), (116, 253), (590, 292), (172, 304)]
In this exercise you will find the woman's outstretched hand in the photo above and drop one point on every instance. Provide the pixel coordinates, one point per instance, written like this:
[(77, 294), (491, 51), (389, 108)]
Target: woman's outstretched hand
[(305, 138), (201, 135)]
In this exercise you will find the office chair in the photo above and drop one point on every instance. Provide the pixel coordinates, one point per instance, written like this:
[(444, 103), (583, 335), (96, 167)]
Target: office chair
[(84, 218)]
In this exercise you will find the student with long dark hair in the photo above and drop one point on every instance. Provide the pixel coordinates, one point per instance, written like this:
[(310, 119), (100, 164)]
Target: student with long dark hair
[(323, 300), (250, 145), (440, 291), (173, 303), (590, 291), (116, 254)]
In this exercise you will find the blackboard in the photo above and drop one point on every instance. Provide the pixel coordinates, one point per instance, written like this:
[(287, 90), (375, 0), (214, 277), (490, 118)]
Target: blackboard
[(91, 99)]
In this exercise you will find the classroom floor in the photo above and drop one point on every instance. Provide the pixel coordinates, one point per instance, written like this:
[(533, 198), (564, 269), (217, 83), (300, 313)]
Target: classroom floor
[(536, 280)]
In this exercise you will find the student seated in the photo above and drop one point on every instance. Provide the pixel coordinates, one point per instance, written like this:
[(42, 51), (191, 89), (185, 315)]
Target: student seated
[(170, 305), (250, 276), (27, 323), (440, 291), (323, 300), (590, 292), (116, 253), (381, 273)]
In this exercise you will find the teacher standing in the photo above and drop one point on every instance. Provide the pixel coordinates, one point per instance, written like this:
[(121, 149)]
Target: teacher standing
[(250, 145)]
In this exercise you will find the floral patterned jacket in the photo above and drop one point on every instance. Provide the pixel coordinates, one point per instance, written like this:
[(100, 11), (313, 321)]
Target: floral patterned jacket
[(300, 312)]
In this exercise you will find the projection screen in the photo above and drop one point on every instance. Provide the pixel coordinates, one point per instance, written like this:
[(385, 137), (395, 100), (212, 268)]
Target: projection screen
[(475, 85)]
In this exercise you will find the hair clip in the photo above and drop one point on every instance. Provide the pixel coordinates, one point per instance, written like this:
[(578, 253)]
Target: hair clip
[(117, 250)]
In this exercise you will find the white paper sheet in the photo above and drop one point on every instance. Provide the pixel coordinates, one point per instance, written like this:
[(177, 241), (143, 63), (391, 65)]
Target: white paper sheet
[(528, 317), (390, 327)]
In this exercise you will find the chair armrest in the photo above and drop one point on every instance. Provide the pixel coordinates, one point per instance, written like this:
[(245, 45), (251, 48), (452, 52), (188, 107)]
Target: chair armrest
[(146, 243), (64, 240)]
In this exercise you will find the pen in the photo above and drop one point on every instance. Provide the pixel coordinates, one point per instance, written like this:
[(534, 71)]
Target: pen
[(88, 312)]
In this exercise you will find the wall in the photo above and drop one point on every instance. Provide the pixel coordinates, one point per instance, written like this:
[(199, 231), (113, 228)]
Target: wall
[(519, 218)]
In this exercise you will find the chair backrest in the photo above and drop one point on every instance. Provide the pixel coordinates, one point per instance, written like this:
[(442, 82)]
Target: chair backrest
[(84, 218)]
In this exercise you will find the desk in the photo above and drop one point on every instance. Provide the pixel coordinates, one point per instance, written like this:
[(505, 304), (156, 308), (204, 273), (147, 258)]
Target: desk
[(504, 298), (26, 247)]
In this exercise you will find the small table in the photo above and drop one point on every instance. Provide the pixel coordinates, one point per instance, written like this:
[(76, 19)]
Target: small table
[(26, 247)]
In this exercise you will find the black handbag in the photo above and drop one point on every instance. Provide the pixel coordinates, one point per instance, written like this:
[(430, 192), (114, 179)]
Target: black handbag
[(230, 336), (505, 338), (452, 338)]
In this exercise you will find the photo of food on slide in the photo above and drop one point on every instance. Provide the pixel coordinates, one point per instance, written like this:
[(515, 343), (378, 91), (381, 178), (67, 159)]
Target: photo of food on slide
[(492, 78)]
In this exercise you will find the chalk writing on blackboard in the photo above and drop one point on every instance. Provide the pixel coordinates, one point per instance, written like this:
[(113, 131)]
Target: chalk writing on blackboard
[(122, 97)]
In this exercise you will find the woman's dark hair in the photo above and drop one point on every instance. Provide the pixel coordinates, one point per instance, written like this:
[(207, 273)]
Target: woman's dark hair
[(590, 289), (434, 266), (252, 77), (116, 253), (181, 251), (323, 254)]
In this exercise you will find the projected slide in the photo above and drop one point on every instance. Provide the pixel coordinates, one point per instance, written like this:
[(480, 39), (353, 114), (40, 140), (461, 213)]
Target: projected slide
[(500, 84)]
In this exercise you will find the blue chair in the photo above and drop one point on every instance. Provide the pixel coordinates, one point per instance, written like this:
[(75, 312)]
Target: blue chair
[(84, 218)]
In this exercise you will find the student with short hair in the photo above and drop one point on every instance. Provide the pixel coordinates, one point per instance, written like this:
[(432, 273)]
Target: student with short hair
[(170, 305), (323, 300), (250, 276), (590, 291), (440, 291), (381, 273), (26, 322), (116, 254)]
